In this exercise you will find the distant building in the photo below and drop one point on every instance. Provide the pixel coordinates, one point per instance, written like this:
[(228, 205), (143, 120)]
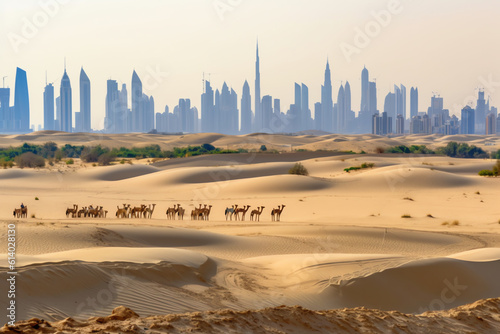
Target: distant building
[(6, 119), (467, 121), (208, 116), (480, 114), (66, 120), (48, 108), (83, 122), (413, 102), (491, 124), (21, 103), (326, 102), (381, 124), (400, 125), (258, 126), (246, 110)]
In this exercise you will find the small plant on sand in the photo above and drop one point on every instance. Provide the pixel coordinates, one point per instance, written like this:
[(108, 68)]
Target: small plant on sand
[(455, 223), (408, 199), (478, 193), (70, 162), (263, 148), (364, 165), (298, 169), (493, 172), (122, 161), (37, 199), (430, 216), (379, 150), (445, 223), (33, 216), (406, 216)]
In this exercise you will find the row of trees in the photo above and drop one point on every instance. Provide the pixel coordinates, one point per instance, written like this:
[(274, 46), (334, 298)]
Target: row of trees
[(452, 149)]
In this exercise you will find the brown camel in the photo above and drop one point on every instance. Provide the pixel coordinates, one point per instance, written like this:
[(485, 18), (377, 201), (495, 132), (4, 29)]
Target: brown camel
[(206, 212), (171, 212), (243, 211), (276, 213), (230, 211), (122, 212), (195, 213), (255, 214), (136, 212), (149, 212), (73, 212), (180, 212)]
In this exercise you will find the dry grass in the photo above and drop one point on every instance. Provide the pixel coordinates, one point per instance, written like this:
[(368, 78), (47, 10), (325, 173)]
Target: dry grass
[(406, 216)]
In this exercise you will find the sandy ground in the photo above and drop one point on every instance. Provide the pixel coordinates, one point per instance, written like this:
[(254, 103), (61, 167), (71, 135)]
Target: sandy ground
[(342, 242)]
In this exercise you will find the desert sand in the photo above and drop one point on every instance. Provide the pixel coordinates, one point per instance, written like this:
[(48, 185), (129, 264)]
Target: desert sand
[(342, 258)]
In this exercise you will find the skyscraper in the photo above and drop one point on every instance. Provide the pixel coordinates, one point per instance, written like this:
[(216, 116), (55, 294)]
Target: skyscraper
[(48, 107), (5, 117), (267, 113), (413, 102), (481, 114), (305, 111), (21, 102), (66, 121), (112, 104), (137, 103), (372, 94), (341, 123), (467, 125), (85, 115), (207, 109), (258, 107), (390, 104), (327, 102), (246, 109), (365, 90), (491, 124)]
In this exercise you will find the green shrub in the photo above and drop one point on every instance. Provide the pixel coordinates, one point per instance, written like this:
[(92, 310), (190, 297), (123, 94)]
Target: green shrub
[(70, 162), (298, 169), (105, 159), (347, 170), (37, 199), (263, 148), (406, 216)]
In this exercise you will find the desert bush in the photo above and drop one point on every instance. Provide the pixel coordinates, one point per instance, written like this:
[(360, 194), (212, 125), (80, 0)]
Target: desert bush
[(486, 172), (367, 165), (379, 150), (298, 169), (30, 160), (263, 148), (37, 199), (70, 162), (105, 159), (455, 223), (347, 170), (406, 216)]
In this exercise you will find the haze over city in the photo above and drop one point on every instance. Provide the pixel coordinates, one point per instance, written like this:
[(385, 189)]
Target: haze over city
[(443, 47)]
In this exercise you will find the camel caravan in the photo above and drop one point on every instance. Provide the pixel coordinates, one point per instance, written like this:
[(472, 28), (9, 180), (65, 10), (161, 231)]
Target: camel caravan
[(86, 212), (146, 211)]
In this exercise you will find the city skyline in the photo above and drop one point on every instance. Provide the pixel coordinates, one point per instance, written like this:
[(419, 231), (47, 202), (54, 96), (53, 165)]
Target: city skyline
[(294, 52)]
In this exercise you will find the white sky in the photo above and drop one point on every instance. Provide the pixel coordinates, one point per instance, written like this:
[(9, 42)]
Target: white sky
[(438, 45)]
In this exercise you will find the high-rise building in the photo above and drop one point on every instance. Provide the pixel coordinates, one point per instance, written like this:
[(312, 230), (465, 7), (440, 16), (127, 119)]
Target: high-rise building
[(267, 113), (5, 114), (327, 102), (246, 109), (390, 104), (467, 125), (491, 124), (66, 120), (341, 112), (413, 102), (305, 111), (258, 107), (207, 109), (57, 122), (318, 116), (48, 107), (137, 103), (400, 124), (365, 91), (21, 103), (84, 123), (480, 115), (373, 97), (277, 107), (112, 107)]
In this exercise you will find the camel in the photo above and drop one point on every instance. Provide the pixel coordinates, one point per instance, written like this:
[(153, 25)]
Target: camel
[(276, 213), (82, 212), (136, 212), (257, 213), (122, 212), (72, 211), (243, 211), (149, 211), (171, 212), (17, 213), (180, 212), (21, 213), (206, 213), (230, 211), (195, 213)]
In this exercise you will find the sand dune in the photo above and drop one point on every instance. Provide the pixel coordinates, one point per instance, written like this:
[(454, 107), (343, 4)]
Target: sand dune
[(411, 234)]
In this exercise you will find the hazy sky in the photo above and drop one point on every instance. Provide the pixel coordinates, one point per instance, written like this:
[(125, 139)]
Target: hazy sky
[(442, 46)]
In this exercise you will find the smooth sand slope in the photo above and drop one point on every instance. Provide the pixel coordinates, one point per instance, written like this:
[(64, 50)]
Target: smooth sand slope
[(341, 243)]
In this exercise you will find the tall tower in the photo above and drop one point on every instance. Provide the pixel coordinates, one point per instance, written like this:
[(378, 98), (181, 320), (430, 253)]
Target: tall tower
[(246, 110), (137, 104), (327, 101), (21, 102), (207, 108), (365, 90), (48, 107), (258, 106), (66, 121), (85, 115), (341, 111), (413, 102)]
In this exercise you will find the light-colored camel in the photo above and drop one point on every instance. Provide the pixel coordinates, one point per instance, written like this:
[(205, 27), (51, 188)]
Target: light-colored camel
[(136, 211), (276, 213), (230, 211), (255, 214), (195, 213)]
